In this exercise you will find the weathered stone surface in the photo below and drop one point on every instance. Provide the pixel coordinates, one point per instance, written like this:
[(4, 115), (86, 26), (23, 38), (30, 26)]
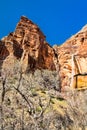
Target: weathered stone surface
[(33, 100), (27, 43), (3, 51), (75, 46)]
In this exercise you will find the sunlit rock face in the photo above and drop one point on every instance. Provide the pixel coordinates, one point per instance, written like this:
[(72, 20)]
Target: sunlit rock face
[(75, 47), (32, 76), (27, 43)]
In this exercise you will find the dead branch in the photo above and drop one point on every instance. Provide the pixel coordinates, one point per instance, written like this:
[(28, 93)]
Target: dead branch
[(30, 104)]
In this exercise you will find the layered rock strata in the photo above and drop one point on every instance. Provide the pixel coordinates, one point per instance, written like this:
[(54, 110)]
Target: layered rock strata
[(27, 44), (72, 57)]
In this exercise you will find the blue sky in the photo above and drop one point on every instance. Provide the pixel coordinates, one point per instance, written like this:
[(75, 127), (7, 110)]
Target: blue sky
[(58, 19)]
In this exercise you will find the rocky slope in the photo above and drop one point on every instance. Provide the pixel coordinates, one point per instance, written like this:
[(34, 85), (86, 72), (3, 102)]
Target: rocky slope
[(32, 73)]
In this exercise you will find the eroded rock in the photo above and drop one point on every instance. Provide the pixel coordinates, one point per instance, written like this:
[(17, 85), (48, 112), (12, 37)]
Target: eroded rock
[(27, 43)]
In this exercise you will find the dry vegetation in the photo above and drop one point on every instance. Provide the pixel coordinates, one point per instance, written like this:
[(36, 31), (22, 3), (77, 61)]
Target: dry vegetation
[(33, 101)]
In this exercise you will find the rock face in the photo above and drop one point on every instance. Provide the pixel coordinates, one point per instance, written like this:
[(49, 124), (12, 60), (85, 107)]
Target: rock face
[(31, 75), (75, 47), (27, 43)]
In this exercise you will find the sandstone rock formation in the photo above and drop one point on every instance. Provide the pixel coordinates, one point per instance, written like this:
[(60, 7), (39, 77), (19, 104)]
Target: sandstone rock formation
[(31, 75), (27, 43), (75, 46)]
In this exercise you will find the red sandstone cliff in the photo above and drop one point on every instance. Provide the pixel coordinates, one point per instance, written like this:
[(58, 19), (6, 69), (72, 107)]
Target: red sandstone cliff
[(32, 99), (75, 46), (27, 44)]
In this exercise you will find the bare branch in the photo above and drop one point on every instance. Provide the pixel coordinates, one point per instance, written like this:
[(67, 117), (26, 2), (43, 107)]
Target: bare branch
[(25, 98)]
